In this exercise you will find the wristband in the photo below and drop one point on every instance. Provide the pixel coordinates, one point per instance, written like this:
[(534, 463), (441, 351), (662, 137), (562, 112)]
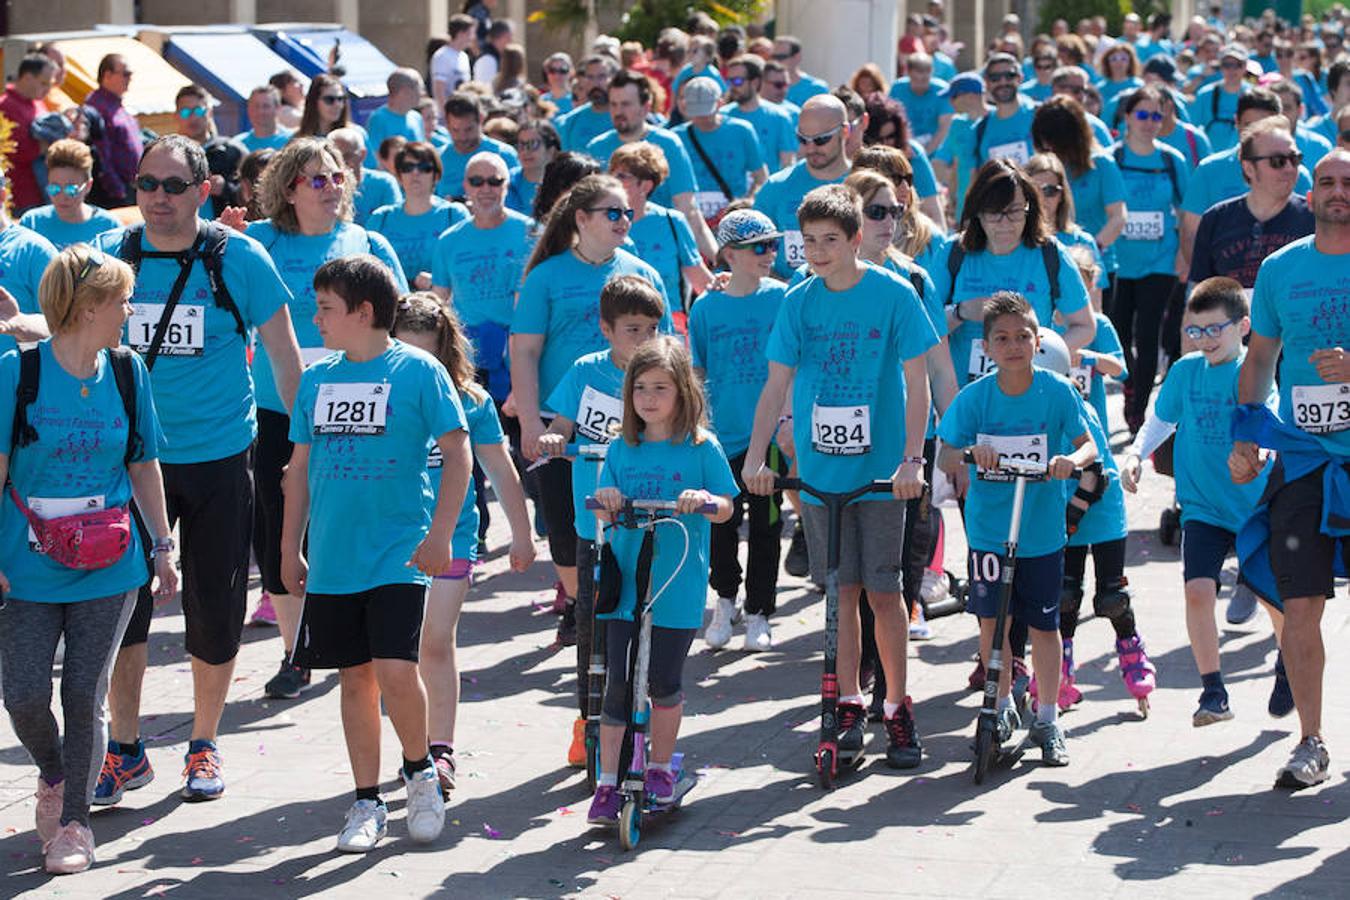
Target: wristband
[(956, 311), (917, 460), (163, 545)]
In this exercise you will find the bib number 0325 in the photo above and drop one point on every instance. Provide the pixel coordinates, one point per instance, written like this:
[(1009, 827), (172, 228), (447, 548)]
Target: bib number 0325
[(351, 409)]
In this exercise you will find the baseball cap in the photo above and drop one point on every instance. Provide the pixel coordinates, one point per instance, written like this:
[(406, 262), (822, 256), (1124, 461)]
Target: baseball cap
[(746, 226), (965, 83), (702, 96), (1236, 51)]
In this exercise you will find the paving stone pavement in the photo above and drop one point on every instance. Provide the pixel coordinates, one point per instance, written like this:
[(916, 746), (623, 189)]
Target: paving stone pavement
[(1151, 808)]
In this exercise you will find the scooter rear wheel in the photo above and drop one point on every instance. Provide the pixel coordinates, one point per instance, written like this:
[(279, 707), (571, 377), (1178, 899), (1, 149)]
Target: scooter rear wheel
[(984, 746), (825, 768), (630, 824)]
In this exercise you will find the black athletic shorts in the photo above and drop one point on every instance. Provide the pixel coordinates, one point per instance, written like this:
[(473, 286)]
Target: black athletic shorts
[(1301, 556), (338, 631)]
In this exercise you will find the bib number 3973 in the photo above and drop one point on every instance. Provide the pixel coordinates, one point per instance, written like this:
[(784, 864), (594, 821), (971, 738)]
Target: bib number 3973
[(841, 430), (351, 409), (184, 335), (1322, 408), (1028, 447)]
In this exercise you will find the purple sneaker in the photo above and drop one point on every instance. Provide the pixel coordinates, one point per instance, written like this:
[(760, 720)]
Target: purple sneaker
[(605, 806), (660, 786)]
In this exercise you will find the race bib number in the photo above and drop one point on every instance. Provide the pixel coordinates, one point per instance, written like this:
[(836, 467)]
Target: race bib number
[(185, 335), (435, 459), (1143, 226), (1029, 447), (710, 203), (1322, 408), (1014, 150), (56, 507), (794, 247), (980, 364), (1081, 376), (841, 430), (351, 409), (599, 415), (310, 355)]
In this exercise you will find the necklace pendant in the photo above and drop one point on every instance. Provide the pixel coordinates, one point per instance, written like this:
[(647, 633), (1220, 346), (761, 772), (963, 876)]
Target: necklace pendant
[(84, 390)]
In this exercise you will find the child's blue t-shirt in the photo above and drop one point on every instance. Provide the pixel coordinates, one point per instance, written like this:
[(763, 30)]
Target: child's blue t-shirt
[(24, 255), (414, 237), (481, 267), (1090, 382), (662, 470), (47, 223), (1040, 423), (1300, 299), (1077, 237), (76, 464), (297, 256), (848, 396), (1104, 520), (202, 387), (480, 417), (560, 300), (1148, 244), (665, 242), (591, 395), (1200, 399), (727, 339), (368, 425)]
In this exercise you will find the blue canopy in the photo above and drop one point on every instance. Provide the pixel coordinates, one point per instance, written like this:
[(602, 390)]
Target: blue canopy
[(306, 48), (229, 64)]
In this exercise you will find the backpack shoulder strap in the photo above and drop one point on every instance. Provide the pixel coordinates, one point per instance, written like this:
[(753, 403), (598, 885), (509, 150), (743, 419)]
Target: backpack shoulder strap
[(214, 238), (916, 279), (955, 256), (124, 373), (1050, 255), (1170, 165), (130, 249), (30, 368), (980, 128), (1119, 153), (1190, 142)]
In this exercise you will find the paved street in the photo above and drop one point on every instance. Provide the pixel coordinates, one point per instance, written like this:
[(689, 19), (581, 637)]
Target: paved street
[(1149, 808)]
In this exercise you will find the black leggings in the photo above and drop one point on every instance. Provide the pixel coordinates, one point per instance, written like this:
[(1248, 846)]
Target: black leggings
[(555, 493), (585, 613), (1108, 567), (665, 666), (762, 548), (1137, 312)]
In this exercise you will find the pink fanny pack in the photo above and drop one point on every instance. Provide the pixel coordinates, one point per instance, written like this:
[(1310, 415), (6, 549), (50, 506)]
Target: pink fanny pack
[(90, 540)]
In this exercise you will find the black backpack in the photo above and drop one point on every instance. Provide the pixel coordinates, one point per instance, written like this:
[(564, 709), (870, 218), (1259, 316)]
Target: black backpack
[(1169, 166), (30, 371), (957, 255)]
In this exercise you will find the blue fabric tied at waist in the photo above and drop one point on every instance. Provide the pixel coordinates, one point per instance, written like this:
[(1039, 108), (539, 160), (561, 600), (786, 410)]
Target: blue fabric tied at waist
[(1299, 454), (490, 355)]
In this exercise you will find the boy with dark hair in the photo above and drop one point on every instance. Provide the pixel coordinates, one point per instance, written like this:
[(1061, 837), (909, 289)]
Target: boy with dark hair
[(362, 421)]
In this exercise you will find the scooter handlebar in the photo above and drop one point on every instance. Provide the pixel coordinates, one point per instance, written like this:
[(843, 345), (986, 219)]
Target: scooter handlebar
[(1024, 467), (649, 505), (880, 486)]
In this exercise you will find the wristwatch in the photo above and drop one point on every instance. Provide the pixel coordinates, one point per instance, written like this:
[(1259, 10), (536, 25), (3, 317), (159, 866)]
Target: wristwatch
[(163, 545)]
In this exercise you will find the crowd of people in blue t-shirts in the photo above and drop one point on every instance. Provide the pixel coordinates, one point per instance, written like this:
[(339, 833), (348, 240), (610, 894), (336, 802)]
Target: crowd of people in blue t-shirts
[(679, 273)]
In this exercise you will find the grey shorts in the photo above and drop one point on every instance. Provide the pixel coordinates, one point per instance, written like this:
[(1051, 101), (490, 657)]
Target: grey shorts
[(870, 540)]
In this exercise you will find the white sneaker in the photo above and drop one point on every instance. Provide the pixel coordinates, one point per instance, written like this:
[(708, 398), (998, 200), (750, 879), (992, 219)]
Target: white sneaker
[(70, 851), (919, 629), (366, 824), (758, 637), (718, 634), (426, 807)]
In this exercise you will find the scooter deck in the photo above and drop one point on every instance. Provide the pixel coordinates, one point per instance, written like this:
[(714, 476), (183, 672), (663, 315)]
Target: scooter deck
[(683, 785)]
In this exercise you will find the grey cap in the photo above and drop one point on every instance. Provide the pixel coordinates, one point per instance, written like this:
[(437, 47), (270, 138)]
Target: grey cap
[(702, 96)]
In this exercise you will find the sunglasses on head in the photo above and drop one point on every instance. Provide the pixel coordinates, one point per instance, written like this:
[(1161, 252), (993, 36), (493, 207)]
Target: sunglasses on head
[(878, 212), (1195, 332), (426, 168), (1143, 115), (148, 184), (820, 140), (71, 190), (492, 181), (188, 112), (1279, 160), (334, 99), (92, 263), (320, 181), (761, 248), (613, 213)]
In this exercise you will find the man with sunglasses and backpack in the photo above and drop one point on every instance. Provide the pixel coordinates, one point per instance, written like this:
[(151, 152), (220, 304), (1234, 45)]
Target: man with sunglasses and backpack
[(201, 289)]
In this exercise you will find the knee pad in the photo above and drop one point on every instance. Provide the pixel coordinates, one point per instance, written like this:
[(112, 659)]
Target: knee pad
[(1070, 596), (1072, 514), (1112, 599)]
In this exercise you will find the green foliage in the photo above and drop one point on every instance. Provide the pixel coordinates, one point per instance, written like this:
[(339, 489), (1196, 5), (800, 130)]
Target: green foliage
[(645, 19), (1073, 10)]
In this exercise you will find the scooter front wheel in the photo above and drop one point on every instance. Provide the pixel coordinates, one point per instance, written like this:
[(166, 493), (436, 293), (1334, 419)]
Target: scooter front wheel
[(630, 824), (984, 746)]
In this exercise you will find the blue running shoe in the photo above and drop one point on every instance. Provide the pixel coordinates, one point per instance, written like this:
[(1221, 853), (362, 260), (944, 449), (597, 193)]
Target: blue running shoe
[(203, 772), (1281, 701), (1213, 708), (121, 773)]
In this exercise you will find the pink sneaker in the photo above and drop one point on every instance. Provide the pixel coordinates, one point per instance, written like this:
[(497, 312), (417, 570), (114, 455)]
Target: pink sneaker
[(264, 614), (48, 815), (71, 851), (1069, 695), (1135, 667)]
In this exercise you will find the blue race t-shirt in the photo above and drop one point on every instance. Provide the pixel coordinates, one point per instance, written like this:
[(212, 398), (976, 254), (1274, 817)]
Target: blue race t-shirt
[(377, 188), (453, 164), (1300, 299), (1040, 423), (481, 267), (1104, 520), (591, 395), (982, 274), (274, 141), (47, 223), (201, 383), (520, 194), (582, 125), (1090, 382), (778, 198), (1093, 191), (727, 339), (297, 256), (806, 87), (681, 177), (560, 300), (24, 256), (76, 464), (1077, 237), (1008, 138), (848, 396), (775, 128), (1215, 110), (665, 241), (1190, 141), (1219, 178), (368, 425), (385, 123), (923, 110), (733, 148), (958, 149), (1148, 244), (485, 429), (414, 237), (662, 470), (1199, 399)]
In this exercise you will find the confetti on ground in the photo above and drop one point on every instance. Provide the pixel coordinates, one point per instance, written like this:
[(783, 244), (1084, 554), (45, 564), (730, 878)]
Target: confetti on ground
[(196, 860), (491, 832), (148, 821), (1134, 807), (565, 811), (1214, 812), (729, 833)]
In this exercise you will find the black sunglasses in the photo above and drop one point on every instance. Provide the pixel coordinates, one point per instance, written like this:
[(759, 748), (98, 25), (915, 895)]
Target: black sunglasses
[(174, 186), (493, 181), (558, 70), (92, 263), (334, 99), (613, 213), (1279, 160), (405, 168), (820, 140), (1001, 76), (878, 212)]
